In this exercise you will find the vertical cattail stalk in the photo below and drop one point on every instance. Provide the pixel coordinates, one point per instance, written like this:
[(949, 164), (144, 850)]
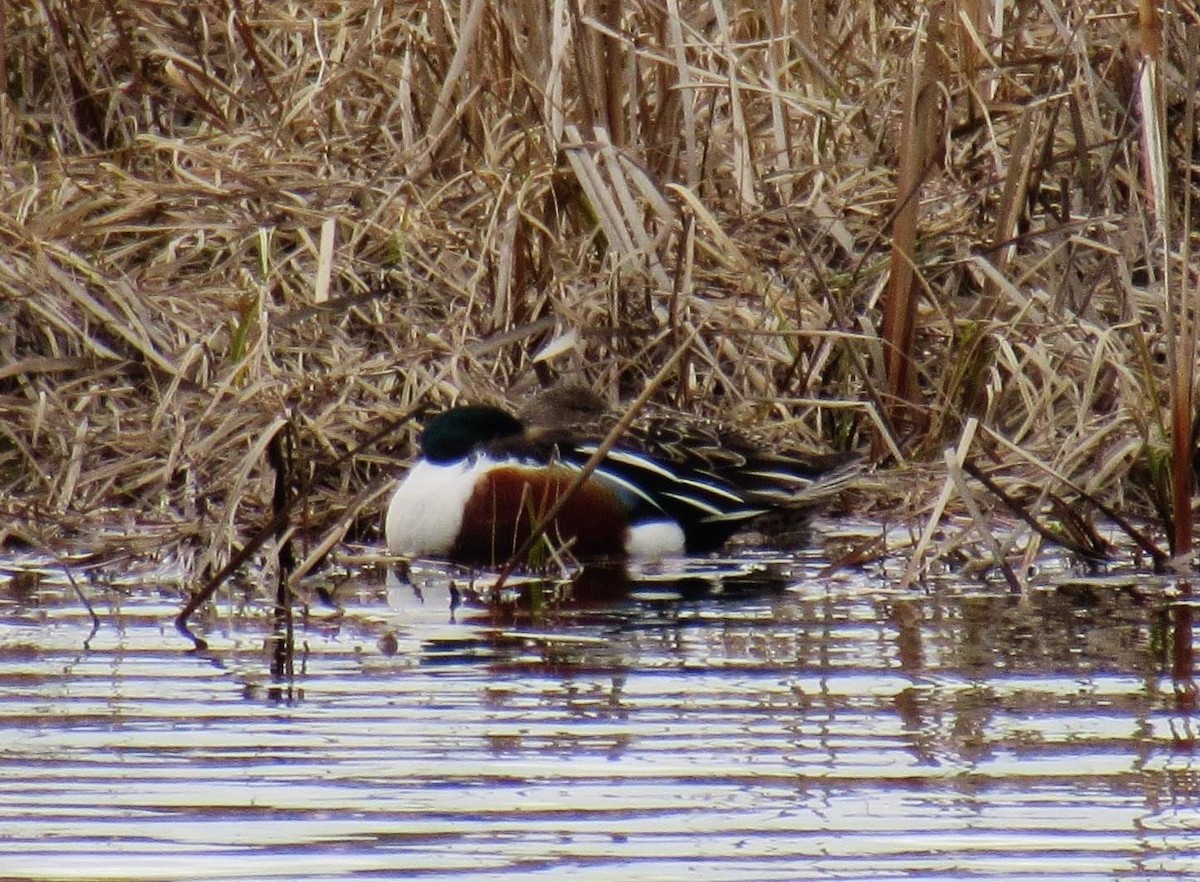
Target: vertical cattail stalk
[(1180, 327), (920, 147), (1178, 323)]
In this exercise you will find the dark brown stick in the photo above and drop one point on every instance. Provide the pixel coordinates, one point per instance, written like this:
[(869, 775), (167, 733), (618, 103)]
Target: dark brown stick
[(278, 522)]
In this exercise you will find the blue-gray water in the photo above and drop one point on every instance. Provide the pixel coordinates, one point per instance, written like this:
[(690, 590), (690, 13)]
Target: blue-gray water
[(803, 726)]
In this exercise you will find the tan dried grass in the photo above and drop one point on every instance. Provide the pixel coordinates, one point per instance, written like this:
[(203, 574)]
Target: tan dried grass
[(216, 220)]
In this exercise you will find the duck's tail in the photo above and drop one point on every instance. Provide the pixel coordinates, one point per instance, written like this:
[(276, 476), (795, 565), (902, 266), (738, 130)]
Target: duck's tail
[(797, 481)]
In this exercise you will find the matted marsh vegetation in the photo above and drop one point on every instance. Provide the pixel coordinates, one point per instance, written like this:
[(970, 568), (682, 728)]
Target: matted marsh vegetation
[(222, 220)]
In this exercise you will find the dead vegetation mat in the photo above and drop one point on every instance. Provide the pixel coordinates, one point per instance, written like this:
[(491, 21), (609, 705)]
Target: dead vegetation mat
[(227, 223)]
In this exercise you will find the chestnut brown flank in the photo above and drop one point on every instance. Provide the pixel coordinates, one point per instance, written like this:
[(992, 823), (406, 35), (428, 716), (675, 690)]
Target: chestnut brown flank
[(508, 501)]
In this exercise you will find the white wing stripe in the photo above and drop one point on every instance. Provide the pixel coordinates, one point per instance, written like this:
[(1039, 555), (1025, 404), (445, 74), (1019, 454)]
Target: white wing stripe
[(629, 458), (715, 513), (616, 479), (636, 461)]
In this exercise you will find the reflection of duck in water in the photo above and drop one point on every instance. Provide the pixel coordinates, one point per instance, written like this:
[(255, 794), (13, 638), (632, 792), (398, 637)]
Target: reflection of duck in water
[(668, 488)]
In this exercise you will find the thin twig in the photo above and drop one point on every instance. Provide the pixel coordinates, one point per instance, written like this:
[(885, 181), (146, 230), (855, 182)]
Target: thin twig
[(1058, 538), (595, 459), (87, 605)]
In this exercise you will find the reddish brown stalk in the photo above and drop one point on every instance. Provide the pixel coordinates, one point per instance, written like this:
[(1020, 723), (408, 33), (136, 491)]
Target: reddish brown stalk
[(1182, 382), (616, 89), (1182, 377), (920, 148)]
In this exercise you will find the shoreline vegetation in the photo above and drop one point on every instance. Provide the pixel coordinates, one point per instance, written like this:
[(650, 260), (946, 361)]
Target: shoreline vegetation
[(232, 234)]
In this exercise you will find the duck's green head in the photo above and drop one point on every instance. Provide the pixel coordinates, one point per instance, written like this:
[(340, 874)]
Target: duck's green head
[(453, 435)]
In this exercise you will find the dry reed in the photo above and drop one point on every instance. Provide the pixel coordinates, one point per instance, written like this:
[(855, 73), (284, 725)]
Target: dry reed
[(217, 220)]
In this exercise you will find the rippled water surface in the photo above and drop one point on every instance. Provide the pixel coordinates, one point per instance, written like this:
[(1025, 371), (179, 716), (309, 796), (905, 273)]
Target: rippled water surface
[(789, 725)]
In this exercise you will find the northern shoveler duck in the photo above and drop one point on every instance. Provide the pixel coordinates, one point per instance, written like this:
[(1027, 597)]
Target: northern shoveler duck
[(485, 477)]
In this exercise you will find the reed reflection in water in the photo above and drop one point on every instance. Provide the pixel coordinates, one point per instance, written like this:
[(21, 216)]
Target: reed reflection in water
[(799, 727)]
